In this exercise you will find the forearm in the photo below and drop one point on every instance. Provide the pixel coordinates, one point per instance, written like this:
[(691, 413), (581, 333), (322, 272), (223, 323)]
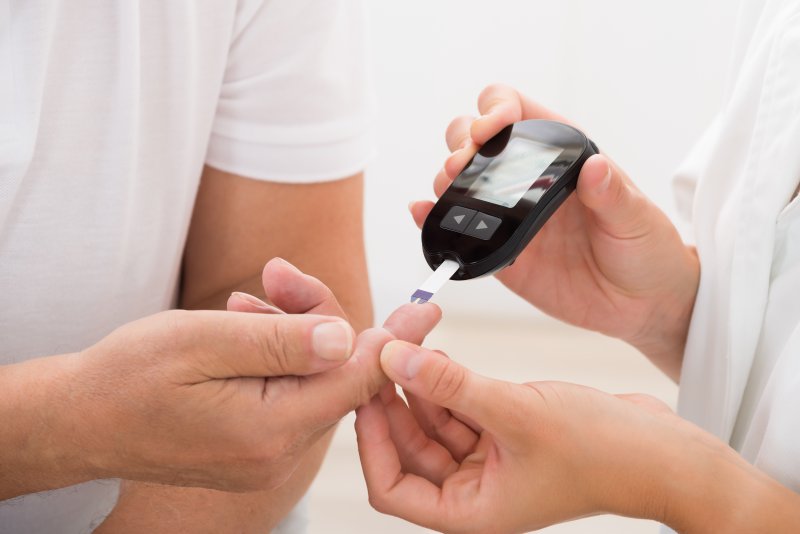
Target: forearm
[(155, 508), (240, 224), (38, 441), (715, 490)]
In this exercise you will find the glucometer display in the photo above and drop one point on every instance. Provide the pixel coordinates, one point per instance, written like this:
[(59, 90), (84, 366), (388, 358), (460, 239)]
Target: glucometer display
[(506, 180)]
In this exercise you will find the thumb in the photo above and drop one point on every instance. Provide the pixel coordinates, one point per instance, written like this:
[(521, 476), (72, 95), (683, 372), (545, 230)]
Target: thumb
[(257, 345), (620, 209), (433, 377)]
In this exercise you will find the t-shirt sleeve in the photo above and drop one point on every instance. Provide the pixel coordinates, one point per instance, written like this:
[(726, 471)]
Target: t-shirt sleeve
[(295, 103)]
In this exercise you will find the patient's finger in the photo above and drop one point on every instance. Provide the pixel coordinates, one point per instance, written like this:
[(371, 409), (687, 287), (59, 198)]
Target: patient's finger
[(440, 425), (392, 491), (420, 211), (412, 322), (418, 453), (296, 292)]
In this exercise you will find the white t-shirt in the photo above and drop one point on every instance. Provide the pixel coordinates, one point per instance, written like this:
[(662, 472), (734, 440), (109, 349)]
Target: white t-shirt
[(741, 370), (108, 111)]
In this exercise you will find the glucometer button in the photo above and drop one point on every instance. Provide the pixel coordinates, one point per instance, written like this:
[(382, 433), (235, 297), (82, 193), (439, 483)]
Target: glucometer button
[(457, 219), (483, 226)]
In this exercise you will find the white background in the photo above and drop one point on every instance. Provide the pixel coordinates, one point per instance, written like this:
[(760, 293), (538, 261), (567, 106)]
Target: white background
[(643, 79)]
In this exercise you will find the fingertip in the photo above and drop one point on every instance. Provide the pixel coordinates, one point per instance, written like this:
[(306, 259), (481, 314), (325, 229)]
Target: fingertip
[(503, 112), (458, 161), (420, 211), (595, 176), (441, 182), (412, 322), (278, 263), (401, 360)]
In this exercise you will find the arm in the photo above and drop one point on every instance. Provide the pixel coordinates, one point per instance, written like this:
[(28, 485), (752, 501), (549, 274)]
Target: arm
[(238, 225), (35, 453), (471, 454)]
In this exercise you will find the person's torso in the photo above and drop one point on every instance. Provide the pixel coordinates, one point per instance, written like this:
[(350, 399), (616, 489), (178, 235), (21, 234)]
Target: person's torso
[(741, 372), (105, 114)]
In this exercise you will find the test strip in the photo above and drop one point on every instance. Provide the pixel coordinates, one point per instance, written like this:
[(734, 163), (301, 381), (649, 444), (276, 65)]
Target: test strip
[(435, 282)]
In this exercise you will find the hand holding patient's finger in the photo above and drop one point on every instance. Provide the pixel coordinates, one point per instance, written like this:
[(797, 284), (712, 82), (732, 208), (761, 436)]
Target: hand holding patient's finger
[(327, 397), (435, 378)]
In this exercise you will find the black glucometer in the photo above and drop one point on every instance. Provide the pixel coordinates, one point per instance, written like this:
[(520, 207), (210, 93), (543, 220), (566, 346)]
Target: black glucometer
[(503, 196)]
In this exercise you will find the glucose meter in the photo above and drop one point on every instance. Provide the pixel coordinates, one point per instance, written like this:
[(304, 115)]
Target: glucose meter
[(503, 197)]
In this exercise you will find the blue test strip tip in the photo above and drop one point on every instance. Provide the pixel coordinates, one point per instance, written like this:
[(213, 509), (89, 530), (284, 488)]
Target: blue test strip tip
[(421, 297)]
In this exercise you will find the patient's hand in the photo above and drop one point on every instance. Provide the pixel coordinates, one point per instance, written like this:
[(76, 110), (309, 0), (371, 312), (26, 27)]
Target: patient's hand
[(473, 454)]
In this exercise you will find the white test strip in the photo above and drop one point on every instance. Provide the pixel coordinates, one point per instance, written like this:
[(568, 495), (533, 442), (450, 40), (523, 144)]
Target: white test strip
[(435, 282)]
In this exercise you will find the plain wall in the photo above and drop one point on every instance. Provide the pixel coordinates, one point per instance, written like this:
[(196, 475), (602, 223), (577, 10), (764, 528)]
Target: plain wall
[(643, 79)]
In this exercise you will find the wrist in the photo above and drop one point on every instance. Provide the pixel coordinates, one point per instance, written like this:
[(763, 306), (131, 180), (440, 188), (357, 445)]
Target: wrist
[(663, 337), (715, 490), (42, 442)]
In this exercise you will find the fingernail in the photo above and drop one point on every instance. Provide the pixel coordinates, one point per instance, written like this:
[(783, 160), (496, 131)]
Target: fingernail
[(250, 299), (403, 358), (333, 340), (411, 205), (603, 185), (284, 262)]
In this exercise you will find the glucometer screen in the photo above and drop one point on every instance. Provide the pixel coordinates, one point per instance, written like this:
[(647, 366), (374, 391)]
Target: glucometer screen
[(508, 177)]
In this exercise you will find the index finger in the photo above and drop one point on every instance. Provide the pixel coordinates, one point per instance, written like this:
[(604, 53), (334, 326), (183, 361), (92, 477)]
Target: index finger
[(327, 397), (501, 105), (388, 486)]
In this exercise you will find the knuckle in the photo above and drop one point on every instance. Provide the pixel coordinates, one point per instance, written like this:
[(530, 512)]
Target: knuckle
[(447, 381), (176, 327), (378, 502), (275, 347), (493, 90), (458, 130)]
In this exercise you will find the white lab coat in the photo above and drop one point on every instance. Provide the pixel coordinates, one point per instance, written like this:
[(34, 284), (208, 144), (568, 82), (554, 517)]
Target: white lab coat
[(741, 370)]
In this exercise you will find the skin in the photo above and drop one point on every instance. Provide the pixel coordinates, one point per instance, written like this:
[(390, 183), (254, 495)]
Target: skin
[(623, 269), (88, 421), (237, 224), (470, 454), (480, 455), (219, 387)]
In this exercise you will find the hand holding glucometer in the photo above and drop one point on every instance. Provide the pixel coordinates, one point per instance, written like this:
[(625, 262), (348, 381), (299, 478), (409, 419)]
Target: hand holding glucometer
[(607, 259), (500, 200)]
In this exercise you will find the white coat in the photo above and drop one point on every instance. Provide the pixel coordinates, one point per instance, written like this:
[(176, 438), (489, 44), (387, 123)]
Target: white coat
[(741, 370)]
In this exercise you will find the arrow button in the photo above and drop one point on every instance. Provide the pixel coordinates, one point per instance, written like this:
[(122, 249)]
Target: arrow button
[(483, 226), (457, 219)]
